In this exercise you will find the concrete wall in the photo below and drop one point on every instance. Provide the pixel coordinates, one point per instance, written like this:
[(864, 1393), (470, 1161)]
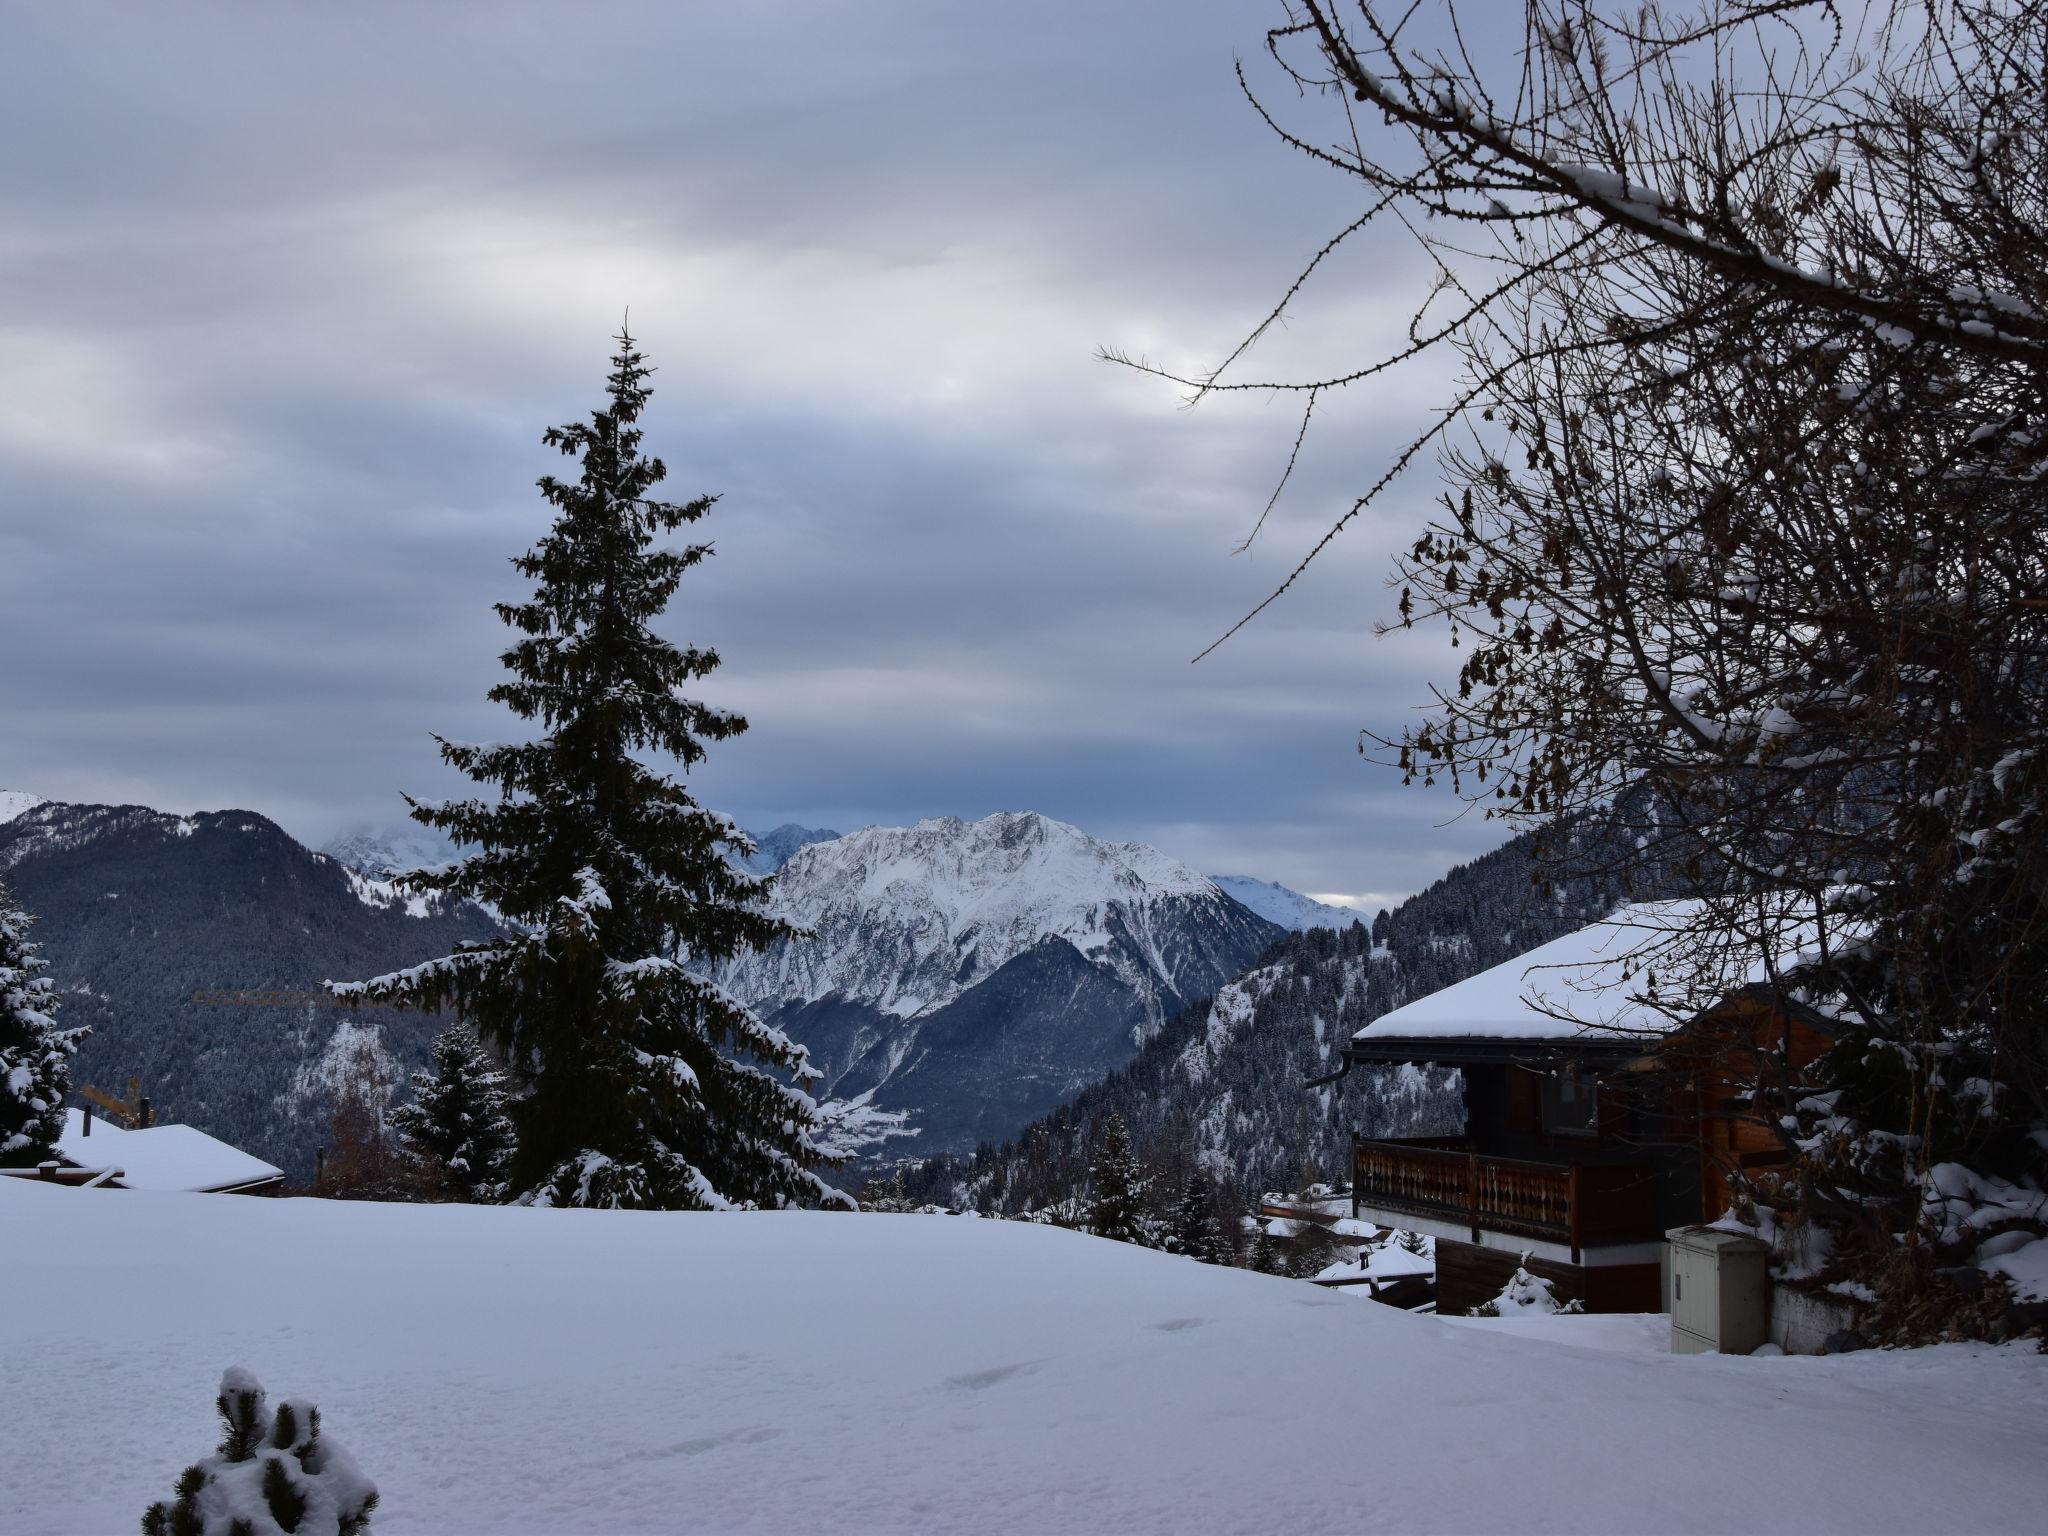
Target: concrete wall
[(1801, 1320)]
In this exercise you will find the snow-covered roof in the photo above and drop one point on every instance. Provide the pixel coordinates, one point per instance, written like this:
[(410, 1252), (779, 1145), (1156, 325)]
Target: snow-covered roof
[(1391, 1262), (1593, 985), (161, 1156)]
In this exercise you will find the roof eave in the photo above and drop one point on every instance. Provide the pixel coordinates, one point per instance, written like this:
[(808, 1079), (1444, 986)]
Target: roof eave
[(1454, 1050)]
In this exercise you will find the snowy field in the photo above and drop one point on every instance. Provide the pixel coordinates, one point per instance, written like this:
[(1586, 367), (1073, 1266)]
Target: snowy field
[(503, 1371)]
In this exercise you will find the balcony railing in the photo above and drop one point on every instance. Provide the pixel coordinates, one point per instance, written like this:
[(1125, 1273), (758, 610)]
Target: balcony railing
[(1572, 1203)]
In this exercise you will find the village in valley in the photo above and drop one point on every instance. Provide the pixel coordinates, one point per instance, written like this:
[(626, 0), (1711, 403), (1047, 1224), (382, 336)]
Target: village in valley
[(1536, 1030)]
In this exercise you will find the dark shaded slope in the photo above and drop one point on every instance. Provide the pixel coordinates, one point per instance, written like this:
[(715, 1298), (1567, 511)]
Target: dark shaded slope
[(136, 910)]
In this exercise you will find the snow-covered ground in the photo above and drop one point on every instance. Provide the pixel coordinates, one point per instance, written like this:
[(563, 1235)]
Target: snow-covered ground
[(507, 1371)]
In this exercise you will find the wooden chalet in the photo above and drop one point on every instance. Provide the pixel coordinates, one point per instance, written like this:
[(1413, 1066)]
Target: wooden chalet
[(1586, 1137)]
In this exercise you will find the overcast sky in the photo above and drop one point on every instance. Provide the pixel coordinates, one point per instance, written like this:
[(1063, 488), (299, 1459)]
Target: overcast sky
[(288, 293)]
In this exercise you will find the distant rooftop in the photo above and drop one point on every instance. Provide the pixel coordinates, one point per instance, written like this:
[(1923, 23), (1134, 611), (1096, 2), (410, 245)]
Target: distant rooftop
[(161, 1156)]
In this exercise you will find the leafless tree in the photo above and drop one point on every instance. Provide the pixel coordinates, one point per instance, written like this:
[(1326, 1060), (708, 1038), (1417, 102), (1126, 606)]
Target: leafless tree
[(1747, 505)]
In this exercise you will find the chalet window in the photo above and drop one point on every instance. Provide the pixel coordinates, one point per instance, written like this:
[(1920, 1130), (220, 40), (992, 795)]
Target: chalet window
[(1570, 1103)]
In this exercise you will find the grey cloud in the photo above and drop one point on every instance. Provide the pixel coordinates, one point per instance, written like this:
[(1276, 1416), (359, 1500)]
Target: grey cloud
[(287, 295)]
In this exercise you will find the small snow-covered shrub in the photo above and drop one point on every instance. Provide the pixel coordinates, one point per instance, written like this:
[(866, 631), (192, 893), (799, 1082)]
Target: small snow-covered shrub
[(275, 1474), (1526, 1295)]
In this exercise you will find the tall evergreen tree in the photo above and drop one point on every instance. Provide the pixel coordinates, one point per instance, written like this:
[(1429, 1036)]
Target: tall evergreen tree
[(35, 1053), (1116, 1199), (457, 1122), (649, 1086)]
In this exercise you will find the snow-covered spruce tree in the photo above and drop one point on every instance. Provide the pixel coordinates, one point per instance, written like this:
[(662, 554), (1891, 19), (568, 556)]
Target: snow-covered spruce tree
[(1196, 1231), (645, 1084), (275, 1474), (457, 1123), (35, 1054), (1116, 1204)]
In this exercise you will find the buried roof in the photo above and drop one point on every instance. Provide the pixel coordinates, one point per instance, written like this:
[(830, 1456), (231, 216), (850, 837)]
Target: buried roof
[(161, 1156), (1619, 981)]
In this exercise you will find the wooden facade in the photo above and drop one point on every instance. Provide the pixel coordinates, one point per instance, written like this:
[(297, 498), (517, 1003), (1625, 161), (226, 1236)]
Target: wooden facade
[(1579, 1154), (1572, 1203)]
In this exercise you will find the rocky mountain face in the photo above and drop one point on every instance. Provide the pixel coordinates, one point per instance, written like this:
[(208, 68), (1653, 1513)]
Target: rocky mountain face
[(137, 911), (976, 973)]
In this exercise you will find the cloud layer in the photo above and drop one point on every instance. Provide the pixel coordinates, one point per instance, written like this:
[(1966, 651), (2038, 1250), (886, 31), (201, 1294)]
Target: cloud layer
[(287, 296)]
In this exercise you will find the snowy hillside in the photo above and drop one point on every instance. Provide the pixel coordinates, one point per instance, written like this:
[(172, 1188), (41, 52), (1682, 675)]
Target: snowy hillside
[(832, 1373), (14, 801), (907, 918), (1290, 909)]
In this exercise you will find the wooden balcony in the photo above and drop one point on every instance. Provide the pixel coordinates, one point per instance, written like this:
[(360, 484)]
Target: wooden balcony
[(1578, 1204)]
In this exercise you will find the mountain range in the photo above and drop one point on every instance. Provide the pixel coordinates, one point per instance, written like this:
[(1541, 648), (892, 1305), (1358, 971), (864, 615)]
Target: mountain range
[(974, 973)]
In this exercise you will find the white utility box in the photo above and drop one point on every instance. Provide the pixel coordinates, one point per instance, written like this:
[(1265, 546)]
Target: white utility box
[(1720, 1291)]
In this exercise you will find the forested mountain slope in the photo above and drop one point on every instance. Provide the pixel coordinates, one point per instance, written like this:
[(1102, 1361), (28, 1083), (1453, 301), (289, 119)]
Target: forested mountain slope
[(136, 910)]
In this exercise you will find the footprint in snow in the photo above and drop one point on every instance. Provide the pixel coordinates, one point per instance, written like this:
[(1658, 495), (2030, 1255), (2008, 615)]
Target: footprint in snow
[(705, 1443), (976, 1381)]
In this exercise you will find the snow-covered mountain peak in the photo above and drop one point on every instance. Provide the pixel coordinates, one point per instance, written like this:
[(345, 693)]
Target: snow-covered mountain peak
[(1289, 908), (13, 802), (381, 852), (987, 868), (907, 918)]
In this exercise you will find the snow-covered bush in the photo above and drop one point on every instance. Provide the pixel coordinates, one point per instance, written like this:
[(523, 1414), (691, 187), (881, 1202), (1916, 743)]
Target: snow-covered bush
[(1526, 1295), (275, 1474)]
